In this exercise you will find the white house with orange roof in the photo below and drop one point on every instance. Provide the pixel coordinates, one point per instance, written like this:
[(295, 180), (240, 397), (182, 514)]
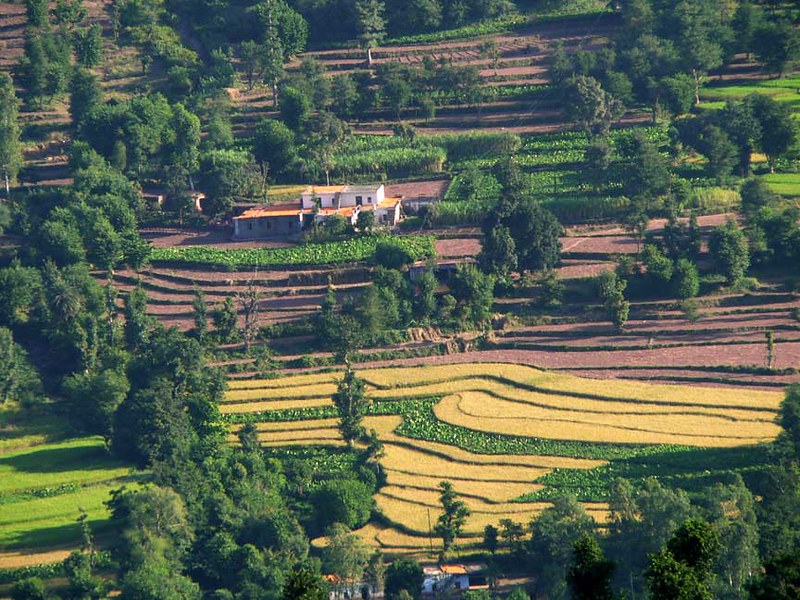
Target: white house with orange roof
[(316, 204)]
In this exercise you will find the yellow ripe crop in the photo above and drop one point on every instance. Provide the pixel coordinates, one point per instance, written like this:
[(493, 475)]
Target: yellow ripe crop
[(405, 460), (281, 393), (483, 412), (636, 390), (247, 407), (497, 491), (284, 382)]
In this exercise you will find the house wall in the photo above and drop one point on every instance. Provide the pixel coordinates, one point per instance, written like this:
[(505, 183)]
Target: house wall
[(266, 227)]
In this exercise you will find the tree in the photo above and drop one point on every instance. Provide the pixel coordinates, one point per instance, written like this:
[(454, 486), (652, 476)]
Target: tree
[(452, 520), (728, 246), (645, 170), (589, 106), (553, 537), (780, 580), (346, 555), (612, 293), (789, 418), (182, 154), (351, 404), (474, 292), (137, 321), (305, 584), (490, 535), (94, 399), (589, 575), (777, 45), (252, 56), (85, 95), (685, 279), (228, 175), (535, 231), (38, 13), (249, 303), (777, 127), (225, 320), (274, 144), (10, 147), (30, 588), (720, 151), (88, 45), (295, 108), (498, 254), (19, 381), (370, 24), (404, 575), (200, 309), (683, 568)]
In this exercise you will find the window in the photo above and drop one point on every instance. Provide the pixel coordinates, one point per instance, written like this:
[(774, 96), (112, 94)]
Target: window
[(269, 224), (359, 200), (250, 225), (369, 199)]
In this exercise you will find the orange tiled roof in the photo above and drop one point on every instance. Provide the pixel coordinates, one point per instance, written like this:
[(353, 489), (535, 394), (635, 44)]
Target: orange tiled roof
[(454, 569), (274, 210)]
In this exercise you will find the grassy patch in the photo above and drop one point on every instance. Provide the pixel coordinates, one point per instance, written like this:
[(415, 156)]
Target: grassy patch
[(78, 461)]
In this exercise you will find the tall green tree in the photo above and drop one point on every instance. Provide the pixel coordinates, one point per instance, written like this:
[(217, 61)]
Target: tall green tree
[(683, 568), (590, 572), (10, 146), (454, 515), (728, 246), (371, 25), (351, 404), (85, 95), (553, 537)]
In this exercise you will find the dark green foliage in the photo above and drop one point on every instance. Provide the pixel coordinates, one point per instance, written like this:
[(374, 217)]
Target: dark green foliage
[(498, 255), (351, 403), (88, 45), (683, 568), (777, 45), (590, 572), (490, 535), (685, 279), (612, 293), (780, 579), (85, 95), (273, 144), (225, 320), (645, 172), (95, 398), (789, 418), (31, 588), (589, 106), (10, 147), (295, 108), (474, 294), (553, 536), (729, 248), (404, 574), (346, 501), (227, 176), (392, 256), (18, 379), (305, 584)]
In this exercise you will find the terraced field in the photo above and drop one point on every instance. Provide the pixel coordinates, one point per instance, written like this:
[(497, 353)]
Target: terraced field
[(509, 437), (44, 485)]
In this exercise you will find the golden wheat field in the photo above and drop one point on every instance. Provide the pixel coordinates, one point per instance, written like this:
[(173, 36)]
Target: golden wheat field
[(500, 399)]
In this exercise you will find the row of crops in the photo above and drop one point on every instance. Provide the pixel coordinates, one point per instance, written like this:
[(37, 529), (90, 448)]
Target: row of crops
[(343, 251), (399, 156)]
